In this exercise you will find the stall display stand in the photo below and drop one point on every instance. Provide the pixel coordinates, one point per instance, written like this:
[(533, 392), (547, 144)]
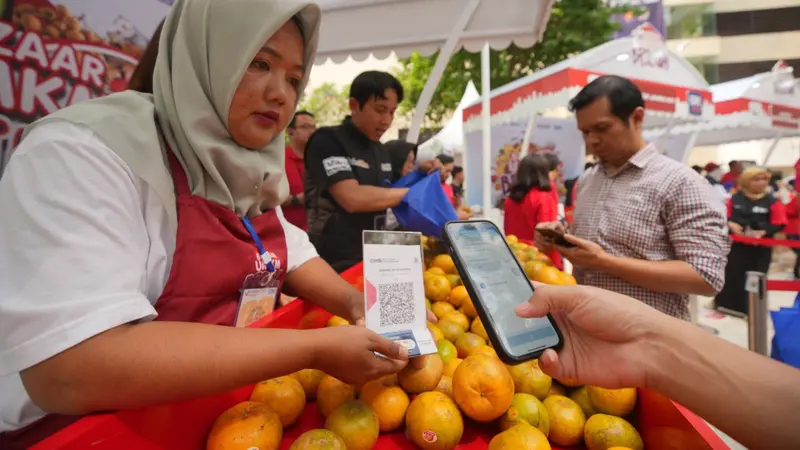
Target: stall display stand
[(185, 425)]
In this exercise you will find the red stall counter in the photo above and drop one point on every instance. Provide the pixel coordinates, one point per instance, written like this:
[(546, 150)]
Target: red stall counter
[(664, 425)]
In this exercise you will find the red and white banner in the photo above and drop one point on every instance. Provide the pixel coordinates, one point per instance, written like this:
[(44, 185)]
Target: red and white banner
[(57, 53)]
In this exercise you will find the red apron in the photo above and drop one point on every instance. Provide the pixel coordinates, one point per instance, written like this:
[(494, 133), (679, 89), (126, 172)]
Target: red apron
[(214, 253)]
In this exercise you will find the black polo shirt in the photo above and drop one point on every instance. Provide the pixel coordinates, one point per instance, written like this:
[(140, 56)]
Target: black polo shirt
[(335, 154)]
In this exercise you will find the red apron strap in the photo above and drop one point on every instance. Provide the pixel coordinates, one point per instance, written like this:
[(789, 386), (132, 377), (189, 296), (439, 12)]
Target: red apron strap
[(178, 175)]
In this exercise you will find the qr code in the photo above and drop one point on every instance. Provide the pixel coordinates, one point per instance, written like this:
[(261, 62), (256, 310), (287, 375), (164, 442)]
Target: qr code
[(396, 303)]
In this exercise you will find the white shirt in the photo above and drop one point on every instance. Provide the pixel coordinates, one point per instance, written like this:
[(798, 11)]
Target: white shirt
[(85, 246)]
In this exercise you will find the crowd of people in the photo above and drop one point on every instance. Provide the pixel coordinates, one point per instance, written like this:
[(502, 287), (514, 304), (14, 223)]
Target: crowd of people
[(133, 225)]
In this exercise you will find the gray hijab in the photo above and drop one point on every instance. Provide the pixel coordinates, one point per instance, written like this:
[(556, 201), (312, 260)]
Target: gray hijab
[(205, 48)]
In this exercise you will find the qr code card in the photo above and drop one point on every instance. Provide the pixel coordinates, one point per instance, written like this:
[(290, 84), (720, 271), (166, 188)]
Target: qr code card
[(394, 291)]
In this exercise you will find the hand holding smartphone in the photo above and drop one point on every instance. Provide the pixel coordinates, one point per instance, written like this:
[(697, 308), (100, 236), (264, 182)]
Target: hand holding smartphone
[(496, 284), (554, 237)]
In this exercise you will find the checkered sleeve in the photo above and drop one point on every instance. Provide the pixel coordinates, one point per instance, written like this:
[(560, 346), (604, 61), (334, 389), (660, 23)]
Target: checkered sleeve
[(697, 230)]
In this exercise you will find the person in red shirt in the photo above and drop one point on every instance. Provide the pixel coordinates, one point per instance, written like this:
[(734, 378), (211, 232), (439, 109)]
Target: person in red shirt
[(530, 200), (792, 229), (732, 176), (300, 129), (447, 168), (554, 167)]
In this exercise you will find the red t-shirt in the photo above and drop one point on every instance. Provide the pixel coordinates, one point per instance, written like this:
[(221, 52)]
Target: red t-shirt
[(295, 173), (729, 177), (520, 219), (448, 191)]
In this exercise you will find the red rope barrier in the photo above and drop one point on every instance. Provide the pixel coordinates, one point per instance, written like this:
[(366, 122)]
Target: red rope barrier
[(783, 285), (764, 242)]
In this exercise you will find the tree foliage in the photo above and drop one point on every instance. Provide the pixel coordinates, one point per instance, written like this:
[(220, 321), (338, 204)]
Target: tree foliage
[(574, 26), (328, 103)]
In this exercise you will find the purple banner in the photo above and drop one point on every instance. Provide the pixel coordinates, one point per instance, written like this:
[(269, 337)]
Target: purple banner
[(653, 12)]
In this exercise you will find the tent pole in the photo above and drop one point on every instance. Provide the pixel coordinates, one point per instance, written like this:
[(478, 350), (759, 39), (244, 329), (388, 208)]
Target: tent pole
[(442, 60), (687, 150), (486, 125), (771, 148), (526, 140)]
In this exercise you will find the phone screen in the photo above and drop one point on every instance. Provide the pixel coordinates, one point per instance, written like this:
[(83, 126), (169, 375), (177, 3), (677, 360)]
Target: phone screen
[(500, 285)]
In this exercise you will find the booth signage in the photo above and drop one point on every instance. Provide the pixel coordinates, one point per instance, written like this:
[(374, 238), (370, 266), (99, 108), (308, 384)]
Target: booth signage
[(649, 49)]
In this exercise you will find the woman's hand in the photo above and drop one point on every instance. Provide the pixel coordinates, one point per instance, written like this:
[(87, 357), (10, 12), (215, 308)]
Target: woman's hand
[(608, 337), (348, 353)]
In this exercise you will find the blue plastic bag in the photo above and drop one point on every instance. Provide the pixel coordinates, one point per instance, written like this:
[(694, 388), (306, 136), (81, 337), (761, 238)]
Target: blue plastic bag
[(786, 343), (425, 208)]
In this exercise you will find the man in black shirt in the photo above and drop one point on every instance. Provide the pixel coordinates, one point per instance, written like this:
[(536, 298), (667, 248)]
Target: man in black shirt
[(349, 173)]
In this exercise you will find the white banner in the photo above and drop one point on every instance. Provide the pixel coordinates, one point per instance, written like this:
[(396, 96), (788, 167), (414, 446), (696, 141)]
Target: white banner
[(549, 135)]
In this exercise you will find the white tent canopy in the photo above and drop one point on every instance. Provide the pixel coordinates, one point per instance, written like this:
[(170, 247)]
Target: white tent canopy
[(674, 90), (358, 28), (762, 106), (450, 139)]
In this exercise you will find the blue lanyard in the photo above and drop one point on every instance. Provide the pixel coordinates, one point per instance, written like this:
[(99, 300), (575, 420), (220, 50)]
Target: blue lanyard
[(259, 245)]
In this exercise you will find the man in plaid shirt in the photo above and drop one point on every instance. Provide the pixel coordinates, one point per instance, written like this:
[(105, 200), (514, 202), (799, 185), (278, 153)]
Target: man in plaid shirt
[(644, 225)]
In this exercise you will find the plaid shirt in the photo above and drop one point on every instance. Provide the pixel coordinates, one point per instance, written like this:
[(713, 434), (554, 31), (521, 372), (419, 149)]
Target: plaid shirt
[(654, 209)]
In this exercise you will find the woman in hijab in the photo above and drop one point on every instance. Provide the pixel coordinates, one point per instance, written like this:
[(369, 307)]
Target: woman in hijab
[(756, 213), (403, 156), (134, 225)]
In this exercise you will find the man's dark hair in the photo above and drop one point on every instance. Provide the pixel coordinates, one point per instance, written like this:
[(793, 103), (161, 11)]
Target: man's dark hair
[(697, 169), (532, 173), (445, 159), (733, 164), (373, 84), (623, 96), (552, 161), (588, 166), (299, 113), (457, 170)]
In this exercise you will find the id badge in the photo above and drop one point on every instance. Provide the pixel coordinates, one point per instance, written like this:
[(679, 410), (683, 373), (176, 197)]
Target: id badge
[(257, 298)]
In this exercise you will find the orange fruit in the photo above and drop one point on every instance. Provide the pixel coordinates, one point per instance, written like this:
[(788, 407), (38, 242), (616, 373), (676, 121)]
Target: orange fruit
[(477, 328), (566, 420), (415, 380), (458, 295), (356, 423), (318, 440), (466, 342), (567, 279), (526, 409), (581, 397), (532, 268), (434, 422), (549, 275), (244, 426), (603, 431), (445, 386), (451, 366), (446, 350), (519, 437), (389, 403), (483, 350), (468, 309), (483, 388), (435, 271), (435, 332), (437, 288), (445, 262), (331, 393), (439, 309), (512, 239), (428, 303), (309, 379), (539, 256), (450, 330), (373, 386), (285, 395), (529, 379), (336, 321), (457, 317), (616, 402), (455, 280)]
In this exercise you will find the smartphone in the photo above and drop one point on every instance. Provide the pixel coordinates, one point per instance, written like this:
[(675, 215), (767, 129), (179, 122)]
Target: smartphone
[(555, 237), (496, 284)]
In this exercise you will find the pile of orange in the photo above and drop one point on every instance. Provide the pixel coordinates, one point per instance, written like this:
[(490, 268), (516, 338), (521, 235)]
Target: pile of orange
[(527, 408)]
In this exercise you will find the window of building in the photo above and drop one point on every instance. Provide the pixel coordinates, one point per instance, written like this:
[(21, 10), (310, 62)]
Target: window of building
[(690, 21), (760, 21)]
